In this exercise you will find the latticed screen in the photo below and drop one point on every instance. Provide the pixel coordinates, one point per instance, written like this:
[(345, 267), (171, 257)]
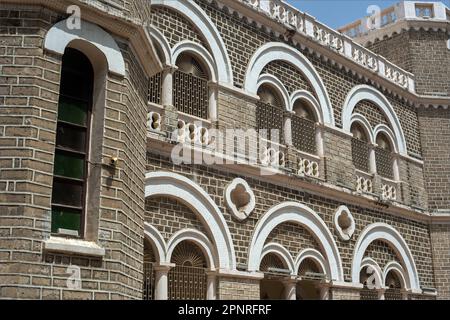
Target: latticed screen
[(268, 118), (393, 294), (304, 134), (368, 294), (187, 283), (149, 281), (190, 94), (360, 154), (155, 88), (384, 163)]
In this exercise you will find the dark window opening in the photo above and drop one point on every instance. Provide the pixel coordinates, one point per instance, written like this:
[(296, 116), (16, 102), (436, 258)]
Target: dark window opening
[(72, 144)]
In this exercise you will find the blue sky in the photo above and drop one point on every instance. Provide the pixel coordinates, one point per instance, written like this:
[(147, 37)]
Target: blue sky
[(336, 13)]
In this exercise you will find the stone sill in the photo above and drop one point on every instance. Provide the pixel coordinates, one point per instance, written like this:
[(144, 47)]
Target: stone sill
[(74, 246)]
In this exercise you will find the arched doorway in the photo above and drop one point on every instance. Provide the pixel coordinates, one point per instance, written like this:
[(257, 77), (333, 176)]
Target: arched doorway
[(275, 272), (149, 272), (311, 275), (188, 279)]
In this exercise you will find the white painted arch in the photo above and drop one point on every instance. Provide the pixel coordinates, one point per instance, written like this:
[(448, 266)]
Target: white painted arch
[(385, 232), (157, 242), (310, 99), (199, 239), (179, 187), (274, 51), (369, 262), (191, 11), (396, 267), (161, 41), (281, 252), (276, 84), (59, 37), (365, 124), (382, 128), (317, 257), (300, 214), (365, 92), (200, 53)]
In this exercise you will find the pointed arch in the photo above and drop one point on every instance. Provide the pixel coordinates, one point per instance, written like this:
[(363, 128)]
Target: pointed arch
[(273, 51), (191, 11), (365, 92), (384, 232), (303, 215), (60, 36), (192, 195)]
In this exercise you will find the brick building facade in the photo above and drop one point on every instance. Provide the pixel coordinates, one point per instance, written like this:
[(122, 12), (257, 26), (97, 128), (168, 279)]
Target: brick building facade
[(134, 163)]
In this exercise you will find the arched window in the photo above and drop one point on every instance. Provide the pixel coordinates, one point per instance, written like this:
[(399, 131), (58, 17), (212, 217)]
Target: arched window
[(188, 280), (383, 155), (69, 199), (269, 112), (190, 87), (149, 272), (275, 271), (394, 286), (304, 127), (360, 147), (311, 276)]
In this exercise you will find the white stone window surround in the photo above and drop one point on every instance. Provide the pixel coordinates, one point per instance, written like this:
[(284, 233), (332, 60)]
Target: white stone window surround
[(247, 208), (344, 232), (73, 246), (60, 36), (390, 235)]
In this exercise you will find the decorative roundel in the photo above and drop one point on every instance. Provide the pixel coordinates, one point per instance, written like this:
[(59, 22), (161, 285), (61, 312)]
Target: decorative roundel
[(240, 199), (344, 223)]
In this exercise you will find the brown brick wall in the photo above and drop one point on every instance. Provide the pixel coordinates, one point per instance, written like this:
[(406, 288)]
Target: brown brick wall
[(423, 53), (237, 289), (267, 195), (440, 237), (435, 133), (29, 85), (372, 113)]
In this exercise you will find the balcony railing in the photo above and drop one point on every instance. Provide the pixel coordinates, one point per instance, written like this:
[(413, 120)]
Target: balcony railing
[(308, 26)]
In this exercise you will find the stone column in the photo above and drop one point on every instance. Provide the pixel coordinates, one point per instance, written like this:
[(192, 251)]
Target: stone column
[(324, 291), (319, 140), (212, 102), (381, 293), (287, 127), (161, 281), (211, 285), (290, 289), (372, 160), (167, 86)]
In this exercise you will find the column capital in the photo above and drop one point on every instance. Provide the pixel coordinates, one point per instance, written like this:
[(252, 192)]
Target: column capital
[(163, 267)]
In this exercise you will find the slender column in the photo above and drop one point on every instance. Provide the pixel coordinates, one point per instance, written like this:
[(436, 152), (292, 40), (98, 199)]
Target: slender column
[(167, 86), (211, 285), (372, 160), (381, 293), (161, 281), (212, 102), (290, 289), (287, 126), (324, 291), (319, 140), (396, 169)]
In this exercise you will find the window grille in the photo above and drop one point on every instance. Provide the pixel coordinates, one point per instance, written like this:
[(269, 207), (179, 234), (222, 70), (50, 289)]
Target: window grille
[(155, 88), (360, 154), (368, 294), (304, 134), (187, 283), (190, 94), (149, 281), (393, 283), (384, 163), (270, 117)]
